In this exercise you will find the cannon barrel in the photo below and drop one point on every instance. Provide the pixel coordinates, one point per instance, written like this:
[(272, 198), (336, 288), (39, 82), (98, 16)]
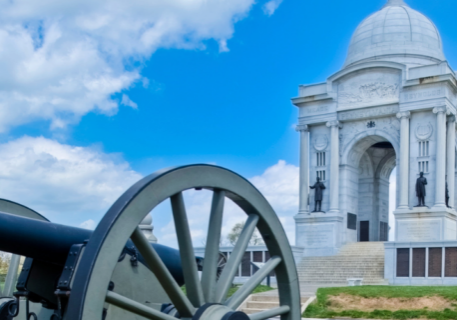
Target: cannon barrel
[(50, 242)]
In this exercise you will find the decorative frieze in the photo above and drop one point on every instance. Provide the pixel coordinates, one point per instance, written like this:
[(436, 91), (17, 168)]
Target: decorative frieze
[(367, 113)]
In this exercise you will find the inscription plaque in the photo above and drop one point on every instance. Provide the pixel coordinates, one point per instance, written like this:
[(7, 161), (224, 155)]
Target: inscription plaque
[(435, 262), (450, 264), (364, 231), (367, 113), (421, 230), (418, 262), (352, 221), (318, 235), (403, 262), (422, 95)]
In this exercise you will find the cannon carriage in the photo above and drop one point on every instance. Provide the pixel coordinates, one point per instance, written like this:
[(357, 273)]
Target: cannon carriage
[(114, 273)]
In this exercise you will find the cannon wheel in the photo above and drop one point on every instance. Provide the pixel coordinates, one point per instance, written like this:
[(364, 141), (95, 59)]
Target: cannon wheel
[(17, 209), (206, 299)]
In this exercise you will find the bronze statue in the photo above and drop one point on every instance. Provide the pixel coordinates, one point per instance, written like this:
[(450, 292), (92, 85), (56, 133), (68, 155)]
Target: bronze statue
[(420, 189), (447, 196), (319, 190)]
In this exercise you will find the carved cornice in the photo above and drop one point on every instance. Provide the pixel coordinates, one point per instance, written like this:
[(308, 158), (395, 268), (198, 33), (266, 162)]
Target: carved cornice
[(335, 123), (442, 109), (302, 128), (404, 114)]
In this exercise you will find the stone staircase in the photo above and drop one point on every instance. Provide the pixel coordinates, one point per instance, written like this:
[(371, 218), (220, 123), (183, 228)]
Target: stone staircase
[(355, 260), (261, 302)]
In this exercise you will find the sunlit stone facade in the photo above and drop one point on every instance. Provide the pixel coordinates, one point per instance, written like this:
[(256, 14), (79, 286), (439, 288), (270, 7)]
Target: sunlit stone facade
[(393, 104)]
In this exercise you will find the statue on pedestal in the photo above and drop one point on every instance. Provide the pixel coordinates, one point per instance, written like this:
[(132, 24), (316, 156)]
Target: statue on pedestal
[(319, 190), (420, 189)]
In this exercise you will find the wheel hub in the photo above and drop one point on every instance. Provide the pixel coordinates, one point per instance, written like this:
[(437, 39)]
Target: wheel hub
[(218, 312)]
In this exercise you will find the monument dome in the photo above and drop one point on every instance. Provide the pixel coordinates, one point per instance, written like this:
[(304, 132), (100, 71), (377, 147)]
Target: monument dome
[(393, 33)]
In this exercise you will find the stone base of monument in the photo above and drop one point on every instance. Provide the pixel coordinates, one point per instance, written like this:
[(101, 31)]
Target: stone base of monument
[(425, 224), (319, 233)]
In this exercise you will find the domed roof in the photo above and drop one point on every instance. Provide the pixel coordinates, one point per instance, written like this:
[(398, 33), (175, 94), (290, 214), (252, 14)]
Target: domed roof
[(395, 30)]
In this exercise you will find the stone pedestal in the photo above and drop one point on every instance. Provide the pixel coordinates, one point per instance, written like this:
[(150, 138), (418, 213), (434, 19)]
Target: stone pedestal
[(318, 233), (424, 224)]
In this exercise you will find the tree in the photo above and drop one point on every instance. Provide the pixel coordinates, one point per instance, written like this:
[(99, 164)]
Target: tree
[(256, 239), (4, 262)]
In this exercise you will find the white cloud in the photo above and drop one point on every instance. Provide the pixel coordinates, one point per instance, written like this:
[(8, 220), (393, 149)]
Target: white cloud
[(88, 224), (65, 183), (63, 59), (76, 186), (270, 7), (127, 102), (279, 184)]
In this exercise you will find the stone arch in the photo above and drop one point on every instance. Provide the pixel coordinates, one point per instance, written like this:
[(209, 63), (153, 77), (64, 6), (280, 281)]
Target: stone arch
[(365, 166), (368, 160), (355, 148), (386, 166)]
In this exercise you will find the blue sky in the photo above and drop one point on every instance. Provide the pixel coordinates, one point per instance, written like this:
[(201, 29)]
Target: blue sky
[(232, 108), (212, 85)]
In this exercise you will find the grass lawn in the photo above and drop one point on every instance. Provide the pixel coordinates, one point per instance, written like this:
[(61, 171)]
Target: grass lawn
[(354, 302)]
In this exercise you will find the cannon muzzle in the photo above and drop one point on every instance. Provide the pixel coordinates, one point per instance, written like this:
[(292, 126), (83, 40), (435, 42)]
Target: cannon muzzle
[(40, 240), (51, 242)]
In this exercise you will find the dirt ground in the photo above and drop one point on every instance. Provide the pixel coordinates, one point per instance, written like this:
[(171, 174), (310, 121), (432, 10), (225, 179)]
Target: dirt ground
[(350, 302)]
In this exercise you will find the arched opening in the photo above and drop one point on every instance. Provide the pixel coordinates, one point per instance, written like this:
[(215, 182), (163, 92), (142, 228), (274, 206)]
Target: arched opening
[(369, 165)]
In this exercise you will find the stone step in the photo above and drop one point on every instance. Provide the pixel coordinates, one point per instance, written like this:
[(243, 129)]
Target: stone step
[(257, 297), (345, 266), (346, 274), (268, 298), (341, 277), (345, 258), (367, 271), (342, 271), (262, 305), (355, 260), (251, 310), (343, 283)]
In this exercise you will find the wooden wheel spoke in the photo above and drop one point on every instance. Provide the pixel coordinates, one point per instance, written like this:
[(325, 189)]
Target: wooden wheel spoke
[(135, 307), (156, 265), (242, 293), (226, 279), (210, 263), (186, 251), (269, 313)]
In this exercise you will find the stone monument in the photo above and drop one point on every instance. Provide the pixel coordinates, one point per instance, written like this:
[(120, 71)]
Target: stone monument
[(391, 105)]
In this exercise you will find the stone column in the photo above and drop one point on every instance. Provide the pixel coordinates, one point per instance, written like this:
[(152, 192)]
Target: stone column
[(450, 164), (404, 159), (440, 172), (334, 165), (304, 168)]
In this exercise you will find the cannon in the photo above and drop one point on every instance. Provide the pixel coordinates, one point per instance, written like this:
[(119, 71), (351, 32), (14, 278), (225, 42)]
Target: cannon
[(114, 273)]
